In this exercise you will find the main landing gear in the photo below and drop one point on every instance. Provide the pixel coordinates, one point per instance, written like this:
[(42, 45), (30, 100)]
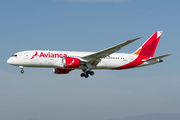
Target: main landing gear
[(87, 73), (21, 67)]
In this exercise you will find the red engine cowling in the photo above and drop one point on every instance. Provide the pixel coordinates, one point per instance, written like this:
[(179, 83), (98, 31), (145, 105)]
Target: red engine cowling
[(61, 71), (69, 62)]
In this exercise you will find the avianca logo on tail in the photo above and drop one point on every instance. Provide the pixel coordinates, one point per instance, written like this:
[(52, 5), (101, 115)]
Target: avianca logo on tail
[(49, 55)]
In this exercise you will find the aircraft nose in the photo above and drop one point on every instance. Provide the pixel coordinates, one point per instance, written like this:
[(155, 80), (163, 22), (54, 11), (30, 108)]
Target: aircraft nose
[(9, 61)]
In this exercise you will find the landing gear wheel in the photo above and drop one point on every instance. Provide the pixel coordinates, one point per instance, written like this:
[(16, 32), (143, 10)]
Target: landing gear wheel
[(22, 71), (92, 73), (84, 75), (89, 72)]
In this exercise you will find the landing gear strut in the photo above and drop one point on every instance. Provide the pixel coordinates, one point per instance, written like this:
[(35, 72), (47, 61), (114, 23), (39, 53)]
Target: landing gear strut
[(21, 67), (87, 73)]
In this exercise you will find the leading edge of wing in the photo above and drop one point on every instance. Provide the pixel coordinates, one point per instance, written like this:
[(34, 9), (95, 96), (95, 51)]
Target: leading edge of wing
[(108, 51)]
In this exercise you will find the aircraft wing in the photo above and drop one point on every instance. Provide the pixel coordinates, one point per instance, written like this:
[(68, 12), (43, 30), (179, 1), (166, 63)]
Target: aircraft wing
[(95, 57)]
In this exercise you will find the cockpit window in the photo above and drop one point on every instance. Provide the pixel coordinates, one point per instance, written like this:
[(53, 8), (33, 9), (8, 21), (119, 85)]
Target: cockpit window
[(14, 55)]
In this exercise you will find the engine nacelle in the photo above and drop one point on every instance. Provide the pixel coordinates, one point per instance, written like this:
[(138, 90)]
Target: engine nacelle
[(69, 62), (61, 71)]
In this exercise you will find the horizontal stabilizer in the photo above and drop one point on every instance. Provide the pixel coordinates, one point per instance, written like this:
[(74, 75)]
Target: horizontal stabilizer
[(159, 57)]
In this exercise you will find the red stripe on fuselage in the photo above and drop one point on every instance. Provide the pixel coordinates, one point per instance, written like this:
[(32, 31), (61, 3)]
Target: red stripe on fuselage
[(136, 62)]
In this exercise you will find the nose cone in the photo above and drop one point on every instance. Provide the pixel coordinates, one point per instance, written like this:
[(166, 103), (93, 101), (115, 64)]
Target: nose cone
[(9, 61), (13, 61)]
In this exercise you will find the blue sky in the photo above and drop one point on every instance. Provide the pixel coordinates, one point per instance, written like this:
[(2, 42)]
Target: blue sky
[(77, 25)]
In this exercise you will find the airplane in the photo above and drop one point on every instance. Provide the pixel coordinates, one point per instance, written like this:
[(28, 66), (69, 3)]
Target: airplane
[(63, 62)]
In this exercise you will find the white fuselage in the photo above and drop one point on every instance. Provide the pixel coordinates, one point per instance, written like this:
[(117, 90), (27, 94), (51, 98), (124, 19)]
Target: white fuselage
[(50, 59)]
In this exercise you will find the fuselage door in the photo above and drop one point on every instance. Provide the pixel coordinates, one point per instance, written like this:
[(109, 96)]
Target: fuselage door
[(131, 58), (25, 55)]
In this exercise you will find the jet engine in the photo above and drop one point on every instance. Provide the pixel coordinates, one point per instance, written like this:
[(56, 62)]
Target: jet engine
[(69, 62), (61, 71)]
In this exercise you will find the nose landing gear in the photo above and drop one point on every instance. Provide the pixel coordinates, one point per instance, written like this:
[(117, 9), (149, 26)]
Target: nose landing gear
[(21, 67), (22, 71)]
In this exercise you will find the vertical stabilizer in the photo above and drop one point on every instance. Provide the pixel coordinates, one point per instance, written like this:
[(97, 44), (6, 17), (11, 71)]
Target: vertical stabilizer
[(149, 47)]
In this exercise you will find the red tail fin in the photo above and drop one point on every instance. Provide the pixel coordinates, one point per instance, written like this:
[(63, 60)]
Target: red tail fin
[(149, 47)]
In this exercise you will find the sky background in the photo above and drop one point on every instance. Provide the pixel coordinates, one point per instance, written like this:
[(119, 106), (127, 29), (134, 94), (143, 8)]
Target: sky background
[(88, 25)]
